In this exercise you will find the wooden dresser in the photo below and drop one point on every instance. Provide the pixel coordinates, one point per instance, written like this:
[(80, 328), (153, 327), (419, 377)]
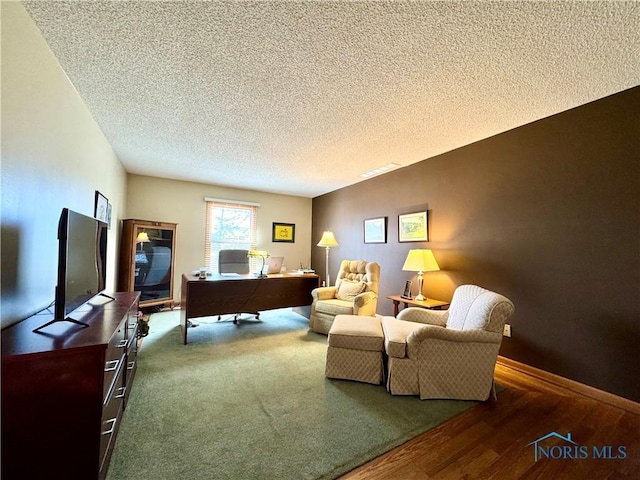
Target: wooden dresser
[(65, 389)]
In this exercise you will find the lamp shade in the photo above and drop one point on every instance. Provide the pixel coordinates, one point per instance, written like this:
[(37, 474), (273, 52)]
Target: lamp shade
[(258, 253), (328, 240), (420, 260), (142, 237)]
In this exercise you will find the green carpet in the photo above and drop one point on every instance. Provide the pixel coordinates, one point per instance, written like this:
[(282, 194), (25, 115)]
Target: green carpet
[(251, 401)]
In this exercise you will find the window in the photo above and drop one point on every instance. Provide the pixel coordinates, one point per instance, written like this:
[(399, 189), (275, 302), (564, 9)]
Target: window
[(229, 224)]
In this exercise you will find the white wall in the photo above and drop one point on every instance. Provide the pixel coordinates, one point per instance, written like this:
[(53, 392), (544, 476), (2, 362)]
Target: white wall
[(54, 155), (174, 201)]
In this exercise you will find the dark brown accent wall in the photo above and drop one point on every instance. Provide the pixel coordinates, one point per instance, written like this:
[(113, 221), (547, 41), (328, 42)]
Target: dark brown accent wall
[(547, 214)]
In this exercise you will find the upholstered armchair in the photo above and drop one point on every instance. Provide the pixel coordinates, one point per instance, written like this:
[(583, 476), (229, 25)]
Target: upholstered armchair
[(447, 353), (355, 293)]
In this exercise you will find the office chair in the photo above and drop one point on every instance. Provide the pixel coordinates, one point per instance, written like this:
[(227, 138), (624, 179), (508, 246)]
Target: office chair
[(234, 261)]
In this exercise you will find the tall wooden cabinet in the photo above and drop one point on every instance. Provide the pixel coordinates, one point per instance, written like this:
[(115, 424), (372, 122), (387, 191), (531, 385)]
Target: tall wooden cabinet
[(65, 390), (147, 255)]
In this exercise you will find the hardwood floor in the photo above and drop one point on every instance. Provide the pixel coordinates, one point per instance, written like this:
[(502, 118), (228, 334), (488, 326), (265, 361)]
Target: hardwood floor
[(492, 440)]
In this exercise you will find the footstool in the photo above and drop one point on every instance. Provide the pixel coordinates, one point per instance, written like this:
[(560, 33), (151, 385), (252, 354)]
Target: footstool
[(356, 348)]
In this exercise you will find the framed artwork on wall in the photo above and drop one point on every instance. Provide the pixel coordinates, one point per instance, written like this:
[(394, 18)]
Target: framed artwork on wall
[(284, 232), (412, 227), (108, 215), (375, 230), (101, 207)]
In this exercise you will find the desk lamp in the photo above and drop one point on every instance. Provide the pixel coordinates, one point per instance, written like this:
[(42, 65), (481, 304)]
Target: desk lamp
[(328, 241), (420, 260), (259, 254)]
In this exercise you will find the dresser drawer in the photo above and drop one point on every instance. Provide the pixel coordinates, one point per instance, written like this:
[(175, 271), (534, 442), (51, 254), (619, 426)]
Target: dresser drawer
[(131, 364), (111, 416), (132, 322)]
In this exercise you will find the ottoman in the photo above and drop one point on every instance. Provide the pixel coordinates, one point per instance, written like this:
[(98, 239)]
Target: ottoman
[(356, 348)]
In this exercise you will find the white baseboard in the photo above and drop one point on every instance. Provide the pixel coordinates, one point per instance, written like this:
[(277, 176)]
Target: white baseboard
[(571, 385)]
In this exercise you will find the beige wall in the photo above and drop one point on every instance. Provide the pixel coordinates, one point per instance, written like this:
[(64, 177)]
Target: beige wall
[(166, 200), (54, 155)]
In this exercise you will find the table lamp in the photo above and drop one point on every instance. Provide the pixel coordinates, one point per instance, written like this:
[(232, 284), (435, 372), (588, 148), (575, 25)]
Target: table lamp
[(143, 237), (328, 241), (259, 254), (420, 260)]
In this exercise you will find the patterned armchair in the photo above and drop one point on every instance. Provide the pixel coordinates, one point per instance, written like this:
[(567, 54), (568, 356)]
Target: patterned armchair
[(355, 293), (448, 353)]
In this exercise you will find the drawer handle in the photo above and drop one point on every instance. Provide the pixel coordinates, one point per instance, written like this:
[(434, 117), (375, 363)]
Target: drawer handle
[(122, 344), (111, 365), (113, 426), (131, 365), (122, 391)]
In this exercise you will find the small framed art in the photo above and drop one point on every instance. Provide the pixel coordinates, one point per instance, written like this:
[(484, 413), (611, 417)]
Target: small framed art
[(407, 290), (375, 230), (284, 232), (108, 215), (101, 208), (412, 227)]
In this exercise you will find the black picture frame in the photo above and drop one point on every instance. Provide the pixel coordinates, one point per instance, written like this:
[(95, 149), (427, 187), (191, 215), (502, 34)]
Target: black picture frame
[(375, 230), (101, 207), (407, 290), (283, 232)]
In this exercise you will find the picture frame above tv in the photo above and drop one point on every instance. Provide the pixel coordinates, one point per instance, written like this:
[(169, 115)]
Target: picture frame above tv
[(101, 207)]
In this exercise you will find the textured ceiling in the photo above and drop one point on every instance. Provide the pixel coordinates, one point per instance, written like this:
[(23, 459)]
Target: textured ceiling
[(302, 97)]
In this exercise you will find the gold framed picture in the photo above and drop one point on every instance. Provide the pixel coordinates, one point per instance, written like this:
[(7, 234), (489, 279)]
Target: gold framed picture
[(284, 232), (412, 227)]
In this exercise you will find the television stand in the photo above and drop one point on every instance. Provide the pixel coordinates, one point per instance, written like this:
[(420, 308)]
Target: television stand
[(72, 320), (64, 397), (77, 322)]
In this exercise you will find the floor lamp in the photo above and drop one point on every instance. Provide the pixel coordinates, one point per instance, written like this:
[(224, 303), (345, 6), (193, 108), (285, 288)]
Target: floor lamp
[(328, 241)]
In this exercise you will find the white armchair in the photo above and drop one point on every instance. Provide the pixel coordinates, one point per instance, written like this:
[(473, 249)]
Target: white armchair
[(447, 353), (355, 293)]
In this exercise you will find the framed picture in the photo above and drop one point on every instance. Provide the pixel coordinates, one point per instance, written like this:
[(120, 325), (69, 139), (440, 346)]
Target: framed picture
[(407, 290), (412, 227), (284, 232), (108, 215), (375, 230), (101, 209)]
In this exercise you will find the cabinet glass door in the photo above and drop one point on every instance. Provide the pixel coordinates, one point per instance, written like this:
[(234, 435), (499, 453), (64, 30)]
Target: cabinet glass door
[(152, 272)]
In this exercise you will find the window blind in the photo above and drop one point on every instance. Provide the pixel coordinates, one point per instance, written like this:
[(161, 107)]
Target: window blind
[(229, 225)]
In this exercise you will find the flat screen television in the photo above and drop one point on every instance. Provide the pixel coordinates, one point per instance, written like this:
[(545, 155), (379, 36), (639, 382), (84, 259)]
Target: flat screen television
[(82, 263)]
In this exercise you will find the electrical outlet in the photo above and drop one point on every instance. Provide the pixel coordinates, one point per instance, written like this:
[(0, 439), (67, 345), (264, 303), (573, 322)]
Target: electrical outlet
[(507, 330)]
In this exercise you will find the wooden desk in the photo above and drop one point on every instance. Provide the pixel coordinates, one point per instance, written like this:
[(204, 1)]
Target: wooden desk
[(223, 295), (429, 303)]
